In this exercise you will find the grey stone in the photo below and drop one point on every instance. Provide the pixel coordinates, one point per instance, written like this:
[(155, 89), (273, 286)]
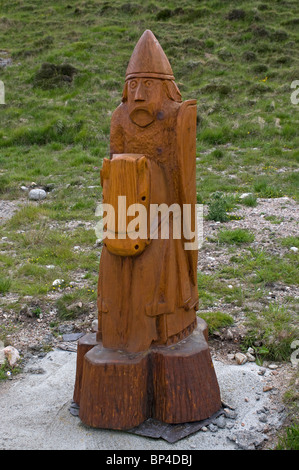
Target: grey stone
[(213, 428), (5, 62), (250, 357), (230, 414), (220, 422), (65, 328), (48, 338), (263, 418), (229, 425), (72, 336), (248, 440), (244, 195), (240, 358), (35, 370), (37, 194)]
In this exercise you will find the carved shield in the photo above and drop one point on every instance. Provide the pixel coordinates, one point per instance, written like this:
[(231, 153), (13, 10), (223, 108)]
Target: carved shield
[(186, 160), (126, 188)]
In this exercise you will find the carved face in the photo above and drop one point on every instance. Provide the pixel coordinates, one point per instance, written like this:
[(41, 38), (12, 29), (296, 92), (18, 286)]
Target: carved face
[(145, 97)]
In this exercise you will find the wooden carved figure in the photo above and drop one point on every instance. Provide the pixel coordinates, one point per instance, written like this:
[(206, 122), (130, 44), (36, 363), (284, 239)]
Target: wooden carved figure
[(149, 357)]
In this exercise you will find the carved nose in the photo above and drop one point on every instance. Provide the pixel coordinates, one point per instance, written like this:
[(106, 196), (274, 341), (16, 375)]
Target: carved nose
[(139, 95)]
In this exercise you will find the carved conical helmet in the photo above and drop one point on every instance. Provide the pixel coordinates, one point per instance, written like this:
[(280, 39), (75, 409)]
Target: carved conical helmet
[(149, 60)]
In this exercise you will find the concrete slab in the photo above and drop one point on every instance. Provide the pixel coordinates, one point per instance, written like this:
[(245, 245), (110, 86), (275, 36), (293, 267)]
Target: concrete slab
[(35, 414)]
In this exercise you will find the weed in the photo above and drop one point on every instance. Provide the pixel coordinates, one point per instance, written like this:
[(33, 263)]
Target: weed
[(37, 312), (218, 206)]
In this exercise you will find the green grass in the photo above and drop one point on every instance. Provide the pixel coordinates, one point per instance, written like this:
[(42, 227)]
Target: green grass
[(71, 305), (260, 267), (236, 236), (216, 320), (271, 332), (249, 201), (6, 370), (273, 219), (5, 284), (290, 241), (289, 438), (239, 69)]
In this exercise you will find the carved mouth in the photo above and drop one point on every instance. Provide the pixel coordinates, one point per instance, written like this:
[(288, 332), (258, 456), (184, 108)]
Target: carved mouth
[(142, 117)]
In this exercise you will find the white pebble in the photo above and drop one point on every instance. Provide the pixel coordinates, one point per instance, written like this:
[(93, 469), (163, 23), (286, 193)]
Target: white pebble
[(58, 282)]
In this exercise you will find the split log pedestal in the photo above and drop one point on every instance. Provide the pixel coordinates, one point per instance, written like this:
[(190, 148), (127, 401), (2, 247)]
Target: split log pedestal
[(173, 384)]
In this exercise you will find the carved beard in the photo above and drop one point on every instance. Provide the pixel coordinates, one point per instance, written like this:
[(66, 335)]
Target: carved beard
[(142, 117)]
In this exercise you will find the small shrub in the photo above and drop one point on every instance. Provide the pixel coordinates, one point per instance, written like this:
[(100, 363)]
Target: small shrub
[(218, 153), (249, 56), (218, 208), (51, 75)]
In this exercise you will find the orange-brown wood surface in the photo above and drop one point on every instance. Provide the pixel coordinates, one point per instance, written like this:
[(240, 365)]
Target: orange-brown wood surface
[(149, 298), (173, 384), (150, 356)]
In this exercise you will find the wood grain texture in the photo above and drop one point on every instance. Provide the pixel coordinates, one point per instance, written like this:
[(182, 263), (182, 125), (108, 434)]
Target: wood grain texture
[(173, 384), (114, 389), (85, 343), (184, 380)]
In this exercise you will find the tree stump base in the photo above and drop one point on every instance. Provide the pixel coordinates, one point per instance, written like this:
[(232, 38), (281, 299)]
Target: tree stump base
[(173, 384)]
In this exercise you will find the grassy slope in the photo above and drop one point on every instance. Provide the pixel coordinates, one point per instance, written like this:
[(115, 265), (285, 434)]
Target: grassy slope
[(240, 71)]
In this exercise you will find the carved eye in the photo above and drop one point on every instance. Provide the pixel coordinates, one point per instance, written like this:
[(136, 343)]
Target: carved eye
[(133, 84), (148, 83)]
